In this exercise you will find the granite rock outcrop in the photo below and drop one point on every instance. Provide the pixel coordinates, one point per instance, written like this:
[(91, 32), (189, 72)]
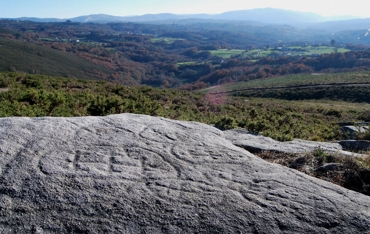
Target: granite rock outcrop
[(140, 174)]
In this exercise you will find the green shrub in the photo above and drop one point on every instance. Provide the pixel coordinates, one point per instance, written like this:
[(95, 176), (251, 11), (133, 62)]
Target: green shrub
[(3, 82), (37, 95), (333, 112), (32, 82), (226, 123)]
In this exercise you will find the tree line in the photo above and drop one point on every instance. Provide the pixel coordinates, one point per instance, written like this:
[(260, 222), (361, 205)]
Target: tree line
[(177, 55)]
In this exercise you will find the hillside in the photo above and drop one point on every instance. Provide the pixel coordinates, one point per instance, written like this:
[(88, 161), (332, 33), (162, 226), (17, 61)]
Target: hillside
[(349, 87), (361, 78), (188, 56), (36, 95), (31, 58)]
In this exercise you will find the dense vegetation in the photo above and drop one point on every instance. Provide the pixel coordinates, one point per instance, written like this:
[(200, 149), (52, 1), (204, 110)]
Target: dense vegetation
[(185, 55), (38, 95), (343, 93), (351, 87), (302, 80)]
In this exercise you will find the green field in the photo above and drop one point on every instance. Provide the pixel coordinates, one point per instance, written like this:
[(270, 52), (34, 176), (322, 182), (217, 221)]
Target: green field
[(290, 51), (225, 53), (322, 50), (167, 40), (187, 63), (258, 53), (46, 39)]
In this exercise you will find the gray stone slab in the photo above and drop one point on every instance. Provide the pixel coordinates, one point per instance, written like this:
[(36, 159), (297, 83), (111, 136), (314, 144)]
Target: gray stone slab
[(139, 174), (358, 145), (257, 143)]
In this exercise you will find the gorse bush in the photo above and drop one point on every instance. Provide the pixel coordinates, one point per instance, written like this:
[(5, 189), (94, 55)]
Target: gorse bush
[(350, 94), (3, 83), (38, 95), (226, 123)]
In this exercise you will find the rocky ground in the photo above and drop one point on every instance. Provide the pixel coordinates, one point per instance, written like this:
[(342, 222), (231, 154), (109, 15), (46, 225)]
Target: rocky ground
[(325, 160), (139, 174)]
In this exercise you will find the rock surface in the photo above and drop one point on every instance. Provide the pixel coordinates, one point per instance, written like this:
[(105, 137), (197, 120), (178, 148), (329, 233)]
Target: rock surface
[(256, 143), (353, 131), (358, 145), (139, 174)]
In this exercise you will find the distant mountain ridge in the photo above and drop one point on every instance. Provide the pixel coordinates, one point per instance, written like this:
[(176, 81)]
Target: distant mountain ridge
[(310, 23), (263, 15)]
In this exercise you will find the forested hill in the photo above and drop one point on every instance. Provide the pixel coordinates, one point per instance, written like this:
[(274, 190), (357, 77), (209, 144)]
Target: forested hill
[(31, 58), (263, 15), (187, 55)]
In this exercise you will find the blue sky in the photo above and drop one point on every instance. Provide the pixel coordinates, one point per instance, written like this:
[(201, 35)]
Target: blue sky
[(72, 8)]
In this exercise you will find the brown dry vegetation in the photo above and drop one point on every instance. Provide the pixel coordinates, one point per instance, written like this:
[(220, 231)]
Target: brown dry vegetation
[(350, 172)]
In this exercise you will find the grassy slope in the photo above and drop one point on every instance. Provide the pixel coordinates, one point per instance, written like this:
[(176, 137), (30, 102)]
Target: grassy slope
[(350, 87), (225, 53), (299, 80), (29, 58)]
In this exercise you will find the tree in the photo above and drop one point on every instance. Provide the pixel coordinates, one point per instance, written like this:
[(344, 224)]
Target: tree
[(332, 42)]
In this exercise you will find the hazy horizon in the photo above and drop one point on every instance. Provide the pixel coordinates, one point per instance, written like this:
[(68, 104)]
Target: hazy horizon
[(74, 8)]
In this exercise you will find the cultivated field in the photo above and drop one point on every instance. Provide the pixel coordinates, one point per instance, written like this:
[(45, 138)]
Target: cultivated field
[(167, 40), (290, 51), (225, 53)]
